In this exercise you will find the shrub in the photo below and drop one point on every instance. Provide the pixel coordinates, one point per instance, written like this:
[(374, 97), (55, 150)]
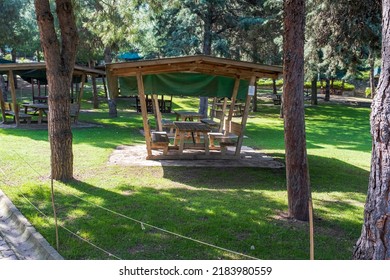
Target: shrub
[(337, 84), (367, 92)]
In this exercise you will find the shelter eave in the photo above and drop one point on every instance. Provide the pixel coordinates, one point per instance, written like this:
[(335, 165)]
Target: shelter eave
[(244, 75), (199, 64), (78, 70), (89, 71), (22, 66)]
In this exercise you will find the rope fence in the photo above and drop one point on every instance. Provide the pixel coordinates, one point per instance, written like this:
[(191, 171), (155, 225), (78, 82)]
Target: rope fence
[(141, 223)]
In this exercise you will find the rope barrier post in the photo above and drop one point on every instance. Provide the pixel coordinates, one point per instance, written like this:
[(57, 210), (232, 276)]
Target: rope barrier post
[(55, 213), (311, 225)]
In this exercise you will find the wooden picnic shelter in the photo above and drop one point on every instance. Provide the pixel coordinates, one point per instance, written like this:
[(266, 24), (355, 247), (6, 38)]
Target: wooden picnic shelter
[(34, 70), (197, 75)]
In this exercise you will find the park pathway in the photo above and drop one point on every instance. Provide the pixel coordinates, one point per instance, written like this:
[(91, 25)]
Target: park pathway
[(6, 253)]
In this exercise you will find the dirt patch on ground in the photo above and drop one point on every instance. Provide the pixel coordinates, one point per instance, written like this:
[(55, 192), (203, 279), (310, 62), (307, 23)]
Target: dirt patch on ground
[(136, 156)]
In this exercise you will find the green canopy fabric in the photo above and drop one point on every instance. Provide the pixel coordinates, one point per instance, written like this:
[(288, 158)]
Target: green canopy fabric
[(184, 84)]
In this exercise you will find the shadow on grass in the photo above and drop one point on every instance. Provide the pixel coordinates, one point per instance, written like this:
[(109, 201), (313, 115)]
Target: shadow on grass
[(340, 126), (219, 218), (327, 175), (236, 208)]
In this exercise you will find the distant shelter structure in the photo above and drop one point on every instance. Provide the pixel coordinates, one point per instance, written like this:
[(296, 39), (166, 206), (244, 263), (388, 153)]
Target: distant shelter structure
[(36, 73), (198, 75)]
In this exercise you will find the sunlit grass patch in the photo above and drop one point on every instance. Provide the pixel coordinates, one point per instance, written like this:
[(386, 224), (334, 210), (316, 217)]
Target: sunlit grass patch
[(144, 212)]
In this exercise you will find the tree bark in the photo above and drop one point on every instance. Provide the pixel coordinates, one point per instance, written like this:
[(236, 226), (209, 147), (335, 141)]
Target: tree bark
[(207, 41), (94, 87), (297, 173), (327, 89), (314, 100), (372, 77), (3, 88), (60, 61), (274, 89), (13, 58), (374, 241), (111, 100), (254, 99)]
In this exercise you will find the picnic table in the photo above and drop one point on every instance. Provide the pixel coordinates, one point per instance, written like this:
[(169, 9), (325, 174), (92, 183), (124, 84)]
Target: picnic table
[(193, 128), (38, 108), (187, 115)]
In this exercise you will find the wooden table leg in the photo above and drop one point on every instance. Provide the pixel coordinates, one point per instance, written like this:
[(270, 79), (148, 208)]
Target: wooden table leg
[(40, 116), (197, 139), (206, 144), (181, 147), (177, 137)]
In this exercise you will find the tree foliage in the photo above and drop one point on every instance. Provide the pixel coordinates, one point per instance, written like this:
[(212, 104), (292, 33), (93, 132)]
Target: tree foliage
[(18, 27), (341, 35), (239, 29)]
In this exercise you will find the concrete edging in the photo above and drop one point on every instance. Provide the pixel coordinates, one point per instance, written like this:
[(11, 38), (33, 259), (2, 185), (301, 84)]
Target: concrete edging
[(23, 238)]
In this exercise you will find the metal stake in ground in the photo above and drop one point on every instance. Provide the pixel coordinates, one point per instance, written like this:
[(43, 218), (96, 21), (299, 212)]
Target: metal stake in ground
[(55, 213)]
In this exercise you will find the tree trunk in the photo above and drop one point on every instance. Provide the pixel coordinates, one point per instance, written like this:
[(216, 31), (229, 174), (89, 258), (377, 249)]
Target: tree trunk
[(207, 41), (13, 58), (3, 88), (297, 173), (107, 55), (95, 99), (95, 93), (332, 91), (274, 89), (254, 100), (327, 89), (374, 241), (38, 56), (112, 109), (94, 87), (372, 77), (314, 100), (60, 61)]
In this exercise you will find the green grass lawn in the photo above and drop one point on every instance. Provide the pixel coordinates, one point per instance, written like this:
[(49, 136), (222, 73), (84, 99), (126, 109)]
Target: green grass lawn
[(240, 209)]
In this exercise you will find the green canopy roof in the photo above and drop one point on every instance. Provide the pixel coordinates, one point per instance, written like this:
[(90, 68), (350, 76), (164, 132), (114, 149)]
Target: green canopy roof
[(187, 84)]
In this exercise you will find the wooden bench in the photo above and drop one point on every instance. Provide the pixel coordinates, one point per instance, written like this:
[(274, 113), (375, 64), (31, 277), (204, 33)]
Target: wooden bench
[(74, 111), (160, 140), (277, 99), (228, 138), (210, 122), (9, 110), (216, 120), (168, 124)]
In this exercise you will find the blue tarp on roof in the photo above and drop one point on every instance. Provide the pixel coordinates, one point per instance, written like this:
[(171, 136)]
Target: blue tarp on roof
[(129, 56)]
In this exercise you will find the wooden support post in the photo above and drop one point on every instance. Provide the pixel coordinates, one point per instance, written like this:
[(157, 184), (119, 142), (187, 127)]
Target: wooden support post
[(2, 105), (71, 91), (251, 92), (32, 89), (254, 100), (39, 87), (157, 112), (144, 111), (15, 106), (224, 105), (105, 87), (113, 93), (234, 97), (80, 95), (213, 108), (311, 228)]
